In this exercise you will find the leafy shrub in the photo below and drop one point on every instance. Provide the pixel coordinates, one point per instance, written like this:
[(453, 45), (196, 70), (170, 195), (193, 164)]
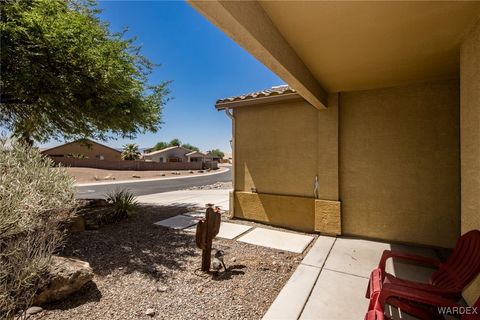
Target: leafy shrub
[(124, 203), (35, 199)]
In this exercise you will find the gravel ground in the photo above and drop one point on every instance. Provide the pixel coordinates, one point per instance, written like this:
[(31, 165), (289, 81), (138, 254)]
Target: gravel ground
[(139, 266), (218, 185)]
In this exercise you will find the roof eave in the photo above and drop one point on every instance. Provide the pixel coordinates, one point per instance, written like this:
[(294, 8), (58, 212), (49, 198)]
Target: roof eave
[(260, 100)]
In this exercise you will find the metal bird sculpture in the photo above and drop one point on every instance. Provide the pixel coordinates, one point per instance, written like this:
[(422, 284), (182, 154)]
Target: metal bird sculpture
[(217, 261)]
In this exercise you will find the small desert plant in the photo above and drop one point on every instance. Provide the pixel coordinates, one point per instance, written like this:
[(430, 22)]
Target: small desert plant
[(35, 199), (124, 202)]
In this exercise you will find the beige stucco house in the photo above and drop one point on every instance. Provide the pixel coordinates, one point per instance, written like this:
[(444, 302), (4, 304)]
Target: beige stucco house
[(87, 148), (383, 105), (175, 154)]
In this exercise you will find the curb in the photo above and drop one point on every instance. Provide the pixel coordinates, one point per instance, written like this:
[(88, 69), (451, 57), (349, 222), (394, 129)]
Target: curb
[(146, 180)]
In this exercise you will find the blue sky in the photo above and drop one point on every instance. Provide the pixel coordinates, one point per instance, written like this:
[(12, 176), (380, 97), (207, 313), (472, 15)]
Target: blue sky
[(202, 61)]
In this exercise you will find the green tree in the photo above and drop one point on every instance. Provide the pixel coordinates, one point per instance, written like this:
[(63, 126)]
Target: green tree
[(160, 145), (189, 146), (65, 75), (130, 152), (216, 153), (175, 143)]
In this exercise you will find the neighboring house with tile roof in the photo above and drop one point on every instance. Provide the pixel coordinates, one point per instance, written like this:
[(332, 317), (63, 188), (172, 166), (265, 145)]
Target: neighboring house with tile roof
[(175, 154), (196, 156), (86, 148)]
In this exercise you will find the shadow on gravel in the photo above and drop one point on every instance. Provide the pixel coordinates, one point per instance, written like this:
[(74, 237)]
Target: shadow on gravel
[(230, 273), (135, 245)]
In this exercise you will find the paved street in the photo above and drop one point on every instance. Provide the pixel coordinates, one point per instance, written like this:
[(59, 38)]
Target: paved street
[(149, 187)]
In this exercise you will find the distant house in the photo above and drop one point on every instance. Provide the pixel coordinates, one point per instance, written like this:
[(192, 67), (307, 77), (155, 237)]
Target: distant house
[(228, 157), (196, 156), (84, 148), (214, 157), (175, 154)]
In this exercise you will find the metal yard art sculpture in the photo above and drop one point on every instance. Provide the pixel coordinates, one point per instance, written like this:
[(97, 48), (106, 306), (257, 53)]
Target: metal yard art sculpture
[(207, 229)]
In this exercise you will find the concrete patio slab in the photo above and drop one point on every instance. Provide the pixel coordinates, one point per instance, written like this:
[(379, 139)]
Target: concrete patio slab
[(280, 240), (337, 296), (291, 300), (318, 253), (355, 256), (410, 271), (360, 257), (232, 230), (344, 266), (177, 222)]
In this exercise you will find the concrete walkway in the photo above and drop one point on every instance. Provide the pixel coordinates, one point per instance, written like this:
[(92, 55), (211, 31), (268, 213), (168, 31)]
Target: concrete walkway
[(280, 240), (191, 198), (331, 281)]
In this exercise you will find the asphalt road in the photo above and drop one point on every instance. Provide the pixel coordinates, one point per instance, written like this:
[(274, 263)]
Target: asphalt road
[(140, 188)]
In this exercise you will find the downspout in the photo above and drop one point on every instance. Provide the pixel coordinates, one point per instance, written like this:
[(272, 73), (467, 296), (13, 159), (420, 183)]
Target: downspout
[(229, 114)]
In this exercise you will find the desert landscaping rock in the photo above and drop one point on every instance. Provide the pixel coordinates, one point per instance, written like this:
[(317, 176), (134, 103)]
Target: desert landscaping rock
[(150, 312), (67, 275), (162, 288), (76, 224), (34, 310)]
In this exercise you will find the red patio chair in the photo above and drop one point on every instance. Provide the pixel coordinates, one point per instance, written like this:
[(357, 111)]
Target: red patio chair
[(418, 303), (449, 280)]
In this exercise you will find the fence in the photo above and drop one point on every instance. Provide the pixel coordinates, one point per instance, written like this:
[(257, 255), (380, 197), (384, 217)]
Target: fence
[(133, 165)]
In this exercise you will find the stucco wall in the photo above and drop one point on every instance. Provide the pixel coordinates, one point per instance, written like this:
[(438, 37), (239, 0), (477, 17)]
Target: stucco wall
[(399, 163), (327, 150), (276, 148), (90, 151), (391, 156), (286, 211), (279, 150), (470, 139)]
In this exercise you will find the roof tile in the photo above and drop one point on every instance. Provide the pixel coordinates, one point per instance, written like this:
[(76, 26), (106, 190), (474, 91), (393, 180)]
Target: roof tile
[(273, 91)]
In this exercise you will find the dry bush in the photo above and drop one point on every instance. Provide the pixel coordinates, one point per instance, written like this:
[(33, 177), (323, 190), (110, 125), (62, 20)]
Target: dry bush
[(35, 199)]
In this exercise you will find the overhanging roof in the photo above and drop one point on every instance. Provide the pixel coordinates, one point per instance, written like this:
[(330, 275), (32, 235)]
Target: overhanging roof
[(272, 95), (333, 46)]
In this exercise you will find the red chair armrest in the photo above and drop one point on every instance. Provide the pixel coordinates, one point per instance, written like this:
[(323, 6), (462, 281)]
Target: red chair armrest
[(406, 257), (406, 293), (425, 287)]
